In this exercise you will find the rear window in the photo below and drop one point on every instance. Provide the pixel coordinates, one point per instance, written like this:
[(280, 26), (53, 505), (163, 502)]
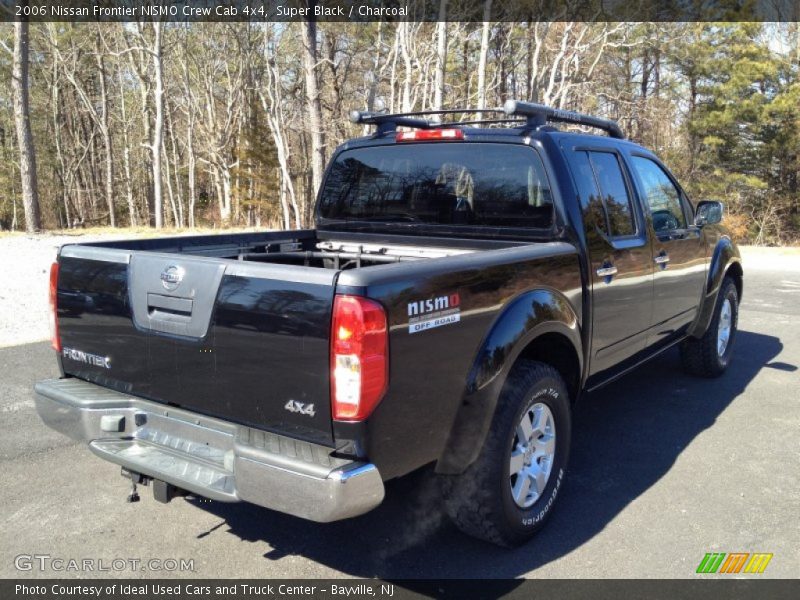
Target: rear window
[(440, 183)]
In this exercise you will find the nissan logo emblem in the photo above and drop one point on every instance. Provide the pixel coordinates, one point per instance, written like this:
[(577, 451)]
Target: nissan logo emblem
[(171, 277)]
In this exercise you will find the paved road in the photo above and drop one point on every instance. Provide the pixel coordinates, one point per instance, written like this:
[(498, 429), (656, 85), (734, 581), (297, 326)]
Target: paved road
[(664, 469)]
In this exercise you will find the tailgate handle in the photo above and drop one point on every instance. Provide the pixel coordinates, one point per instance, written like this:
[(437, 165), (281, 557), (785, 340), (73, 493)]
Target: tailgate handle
[(157, 303)]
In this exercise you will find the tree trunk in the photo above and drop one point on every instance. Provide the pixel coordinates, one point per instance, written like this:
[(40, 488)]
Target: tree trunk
[(313, 104), (22, 119), (374, 78), (14, 219), (192, 164), (406, 105), (158, 128), (139, 60), (487, 12), (441, 56), (106, 133), (271, 102), (126, 157), (224, 193), (502, 39), (55, 100), (176, 160), (170, 192)]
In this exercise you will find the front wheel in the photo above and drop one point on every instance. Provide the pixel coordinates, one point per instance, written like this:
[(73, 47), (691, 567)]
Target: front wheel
[(710, 355), (508, 493)]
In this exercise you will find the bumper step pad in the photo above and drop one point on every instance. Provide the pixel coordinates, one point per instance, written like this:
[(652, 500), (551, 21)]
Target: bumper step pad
[(208, 479)]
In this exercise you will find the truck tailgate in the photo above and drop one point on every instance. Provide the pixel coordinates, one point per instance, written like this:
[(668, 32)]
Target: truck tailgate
[(235, 340)]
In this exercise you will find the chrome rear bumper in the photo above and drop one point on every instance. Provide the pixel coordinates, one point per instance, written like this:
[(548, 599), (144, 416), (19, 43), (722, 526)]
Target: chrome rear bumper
[(210, 457)]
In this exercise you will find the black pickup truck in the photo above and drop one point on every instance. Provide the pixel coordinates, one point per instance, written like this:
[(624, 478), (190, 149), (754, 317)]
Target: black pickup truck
[(466, 282)]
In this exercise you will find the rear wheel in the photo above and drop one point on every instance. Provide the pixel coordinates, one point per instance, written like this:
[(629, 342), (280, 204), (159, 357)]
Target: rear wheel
[(710, 355), (508, 493)]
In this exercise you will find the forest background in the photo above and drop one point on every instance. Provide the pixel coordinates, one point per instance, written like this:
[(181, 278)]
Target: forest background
[(188, 125)]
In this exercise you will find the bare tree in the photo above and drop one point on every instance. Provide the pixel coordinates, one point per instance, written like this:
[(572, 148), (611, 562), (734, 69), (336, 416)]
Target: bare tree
[(105, 131), (441, 56), (217, 71), (126, 153), (158, 125), (404, 42), (22, 119), (313, 105), (98, 114), (487, 13), (272, 102)]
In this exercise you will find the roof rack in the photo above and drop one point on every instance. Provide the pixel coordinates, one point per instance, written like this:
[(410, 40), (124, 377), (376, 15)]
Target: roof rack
[(536, 115), (388, 123)]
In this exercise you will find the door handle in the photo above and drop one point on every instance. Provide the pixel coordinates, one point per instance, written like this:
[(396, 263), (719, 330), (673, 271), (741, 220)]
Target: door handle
[(662, 259), (606, 271)]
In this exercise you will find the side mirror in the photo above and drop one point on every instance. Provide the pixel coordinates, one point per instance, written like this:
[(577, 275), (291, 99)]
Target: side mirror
[(709, 212)]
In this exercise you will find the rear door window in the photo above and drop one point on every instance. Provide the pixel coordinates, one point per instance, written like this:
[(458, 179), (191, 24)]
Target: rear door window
[(614, 193)]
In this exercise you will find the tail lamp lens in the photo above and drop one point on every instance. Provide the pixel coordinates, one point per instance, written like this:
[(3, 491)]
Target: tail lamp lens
[(54, 335), (359, 357)]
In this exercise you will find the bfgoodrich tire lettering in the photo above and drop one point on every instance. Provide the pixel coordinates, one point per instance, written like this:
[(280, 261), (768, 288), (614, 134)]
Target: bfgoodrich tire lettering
[(480, 501)]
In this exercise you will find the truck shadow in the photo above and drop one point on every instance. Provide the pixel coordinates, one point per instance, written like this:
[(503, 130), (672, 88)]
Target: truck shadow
[(652, 415)]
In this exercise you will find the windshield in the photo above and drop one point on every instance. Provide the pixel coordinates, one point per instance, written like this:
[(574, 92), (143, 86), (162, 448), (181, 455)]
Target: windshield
[(440, 183)]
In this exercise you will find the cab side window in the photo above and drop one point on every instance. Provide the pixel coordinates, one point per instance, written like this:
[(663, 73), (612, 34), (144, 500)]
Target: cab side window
[(614, 193), (604, 194), (661, 195), (594, 215)]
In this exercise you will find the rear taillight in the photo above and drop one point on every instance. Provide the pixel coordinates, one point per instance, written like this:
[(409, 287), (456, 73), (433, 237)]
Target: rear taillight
[(430, 135), (359, 357), (54, 336)]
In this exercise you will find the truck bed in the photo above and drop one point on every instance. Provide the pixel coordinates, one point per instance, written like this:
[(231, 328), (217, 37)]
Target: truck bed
[(310, 247), (230, 326)]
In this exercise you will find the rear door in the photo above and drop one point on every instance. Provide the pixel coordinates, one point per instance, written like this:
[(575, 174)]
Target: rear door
[(620, 256), (224, 338), (678, 249)]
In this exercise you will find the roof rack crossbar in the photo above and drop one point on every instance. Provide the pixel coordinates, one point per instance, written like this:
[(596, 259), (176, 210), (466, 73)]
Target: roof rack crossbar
[(389, 122), (486, 122), (358, 116), (538, 114)]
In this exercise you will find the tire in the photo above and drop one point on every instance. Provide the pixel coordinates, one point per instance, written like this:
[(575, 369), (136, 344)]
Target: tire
[(480, 501), (707, 356)]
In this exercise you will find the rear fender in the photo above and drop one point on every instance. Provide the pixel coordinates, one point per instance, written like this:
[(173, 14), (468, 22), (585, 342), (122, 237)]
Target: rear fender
[(527, 317), (725, 256)]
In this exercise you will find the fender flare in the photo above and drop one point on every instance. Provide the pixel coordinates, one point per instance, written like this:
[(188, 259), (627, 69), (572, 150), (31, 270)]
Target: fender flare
[(525, 318), (724, 257)]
